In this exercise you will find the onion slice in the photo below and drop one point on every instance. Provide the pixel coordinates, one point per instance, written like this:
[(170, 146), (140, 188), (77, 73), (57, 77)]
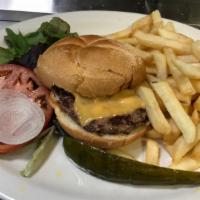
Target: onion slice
[(21, 119)]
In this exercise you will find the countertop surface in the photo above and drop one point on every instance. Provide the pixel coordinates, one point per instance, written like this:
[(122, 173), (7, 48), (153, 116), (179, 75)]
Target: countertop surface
[(186, 11)]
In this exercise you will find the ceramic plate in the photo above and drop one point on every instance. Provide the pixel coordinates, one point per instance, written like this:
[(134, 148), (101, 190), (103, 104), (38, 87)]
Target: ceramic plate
[(59, 178)]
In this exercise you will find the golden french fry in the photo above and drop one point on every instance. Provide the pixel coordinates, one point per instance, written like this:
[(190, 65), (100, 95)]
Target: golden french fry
[(169, 147), (188, 58), (174, 36), (183, 82), (142, 47), (146, 28), (174, 134), (153, 134), (151, 70), (120, 34), (182, 97), (155, 28), (172, 82), (156, 17), (141, 23), (146, 56), (161, 64), (196, 151), (196, 49), (187, 107), (189, 69), (175, 109), (157, 42), (195, 117), (196, 84), (152, 79), (169, 26), (157, 21), (181, 148), (155, 115), (152, 152), (130, 40), (197, 104), (186, 163)]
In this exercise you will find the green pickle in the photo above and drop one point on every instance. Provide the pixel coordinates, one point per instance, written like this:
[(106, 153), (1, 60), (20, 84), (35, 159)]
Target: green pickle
[(41, 153), (122, 170)]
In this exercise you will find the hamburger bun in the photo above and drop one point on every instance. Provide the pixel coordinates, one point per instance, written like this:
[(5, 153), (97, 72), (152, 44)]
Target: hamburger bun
[(90, 65)]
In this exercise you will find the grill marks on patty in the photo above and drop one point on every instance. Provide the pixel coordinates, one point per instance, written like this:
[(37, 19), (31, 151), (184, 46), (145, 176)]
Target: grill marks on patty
[(122, 124)]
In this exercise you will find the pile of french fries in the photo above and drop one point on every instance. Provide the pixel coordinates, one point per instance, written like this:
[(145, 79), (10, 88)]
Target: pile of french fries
[(171, 91)]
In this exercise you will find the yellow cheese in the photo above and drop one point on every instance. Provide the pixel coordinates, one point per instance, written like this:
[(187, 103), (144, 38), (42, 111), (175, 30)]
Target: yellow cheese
[(121, 103)]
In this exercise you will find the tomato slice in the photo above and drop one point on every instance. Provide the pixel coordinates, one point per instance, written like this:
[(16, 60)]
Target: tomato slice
[(24, 80)]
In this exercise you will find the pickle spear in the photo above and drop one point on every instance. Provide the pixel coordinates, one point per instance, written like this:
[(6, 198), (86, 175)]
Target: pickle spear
[(117, 169), (41, 153)]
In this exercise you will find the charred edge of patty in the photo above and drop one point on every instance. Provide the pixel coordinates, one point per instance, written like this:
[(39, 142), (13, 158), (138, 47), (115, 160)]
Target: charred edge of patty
[(122, 124)]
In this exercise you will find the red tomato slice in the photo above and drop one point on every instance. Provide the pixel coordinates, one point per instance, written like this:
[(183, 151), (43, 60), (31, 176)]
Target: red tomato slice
[(24, 80)]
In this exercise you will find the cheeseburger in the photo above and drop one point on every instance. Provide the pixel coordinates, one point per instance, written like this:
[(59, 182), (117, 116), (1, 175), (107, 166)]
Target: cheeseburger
[(92, 81)]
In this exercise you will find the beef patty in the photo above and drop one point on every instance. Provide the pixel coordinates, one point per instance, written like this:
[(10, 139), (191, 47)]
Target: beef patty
[(122, 124)]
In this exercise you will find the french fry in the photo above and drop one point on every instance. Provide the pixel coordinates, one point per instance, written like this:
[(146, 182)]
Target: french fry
[(196, 151), (155, 28), (153, 134), (130, 40), (156, 17), (189, 69), (174, 134), (187, 163), (141, 47), (157, 42), (196, 49), (196, 84), (152, 152), (183, 82), (146, 28), (175, 109), (172, 82), (195, 117), (146, 56), (182, 97), (155, 115), (141, 23), (157, 21), (151, 70), (197, 104), (187, 107), (152, 79), (120, 34), (169, 26), (137, 25), (161, 64), (188, 58), (169, 147), (181, 148), (174, 36)]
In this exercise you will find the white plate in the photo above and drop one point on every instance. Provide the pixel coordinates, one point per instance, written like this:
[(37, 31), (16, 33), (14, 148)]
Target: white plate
[(59, 178)]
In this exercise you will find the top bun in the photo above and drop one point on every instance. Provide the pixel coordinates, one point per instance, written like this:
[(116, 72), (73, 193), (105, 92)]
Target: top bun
[(90, 65)]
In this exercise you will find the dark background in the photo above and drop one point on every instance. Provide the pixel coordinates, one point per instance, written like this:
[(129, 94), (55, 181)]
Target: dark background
[(187, 11)]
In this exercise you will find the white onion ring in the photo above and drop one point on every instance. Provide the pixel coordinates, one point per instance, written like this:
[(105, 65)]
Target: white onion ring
[(21, 119)]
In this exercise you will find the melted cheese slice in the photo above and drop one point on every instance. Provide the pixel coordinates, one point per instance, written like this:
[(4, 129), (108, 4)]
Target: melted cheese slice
[(121, 103)]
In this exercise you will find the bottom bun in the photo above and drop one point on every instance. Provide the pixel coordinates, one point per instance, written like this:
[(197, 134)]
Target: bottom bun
[(104, 142)]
